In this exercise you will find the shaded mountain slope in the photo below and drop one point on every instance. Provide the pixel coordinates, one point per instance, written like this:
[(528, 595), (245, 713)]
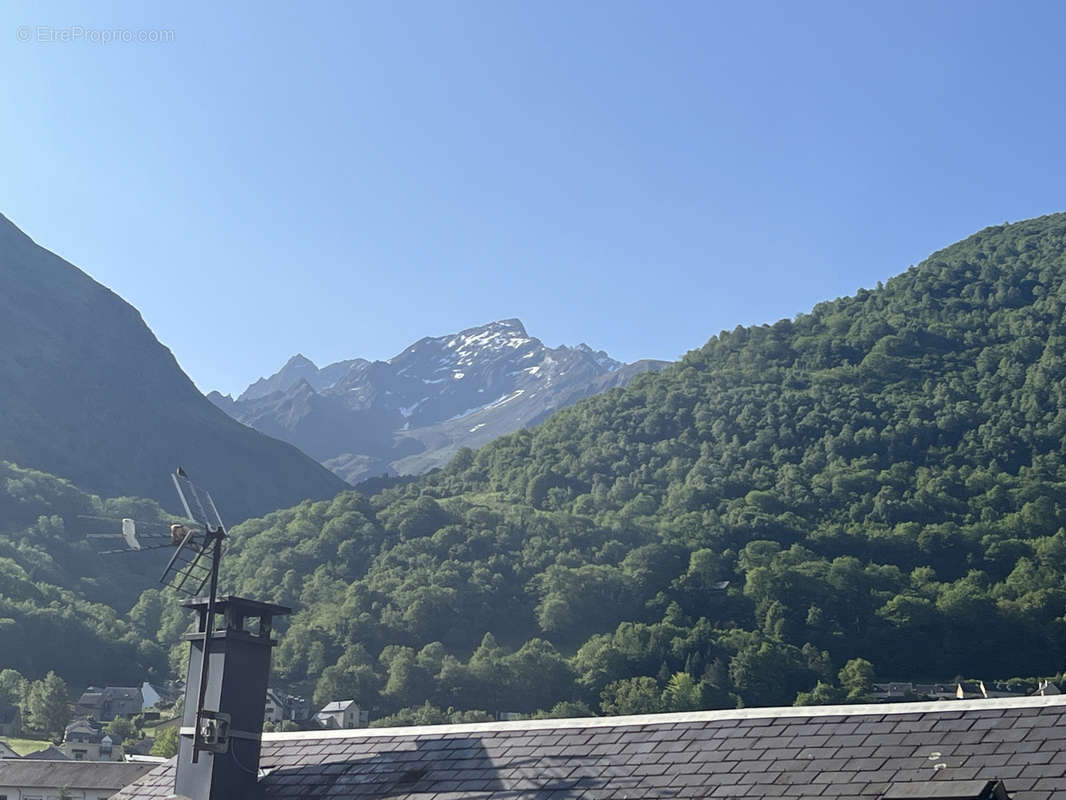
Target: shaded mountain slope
[(90, 394)]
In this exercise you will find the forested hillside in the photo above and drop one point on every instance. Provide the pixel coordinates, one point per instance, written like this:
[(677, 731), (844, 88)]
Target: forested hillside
[(63, 607), (880, 479)]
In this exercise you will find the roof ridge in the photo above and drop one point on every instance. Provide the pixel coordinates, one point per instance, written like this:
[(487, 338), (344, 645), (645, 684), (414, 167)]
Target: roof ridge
[(867, 709)]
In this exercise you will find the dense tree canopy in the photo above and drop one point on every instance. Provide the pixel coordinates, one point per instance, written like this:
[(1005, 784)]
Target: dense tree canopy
[(876, 485), (62, 607)]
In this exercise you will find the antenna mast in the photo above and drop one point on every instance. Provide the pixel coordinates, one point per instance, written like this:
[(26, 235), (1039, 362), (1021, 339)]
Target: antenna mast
[(200, 507), (194, 565)]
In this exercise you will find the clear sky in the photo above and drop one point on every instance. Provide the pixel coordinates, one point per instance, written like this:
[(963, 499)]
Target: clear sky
[(342, 179)]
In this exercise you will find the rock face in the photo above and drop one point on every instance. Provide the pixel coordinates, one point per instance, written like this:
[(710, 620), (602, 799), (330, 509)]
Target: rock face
[(89, 394), (413, 412)]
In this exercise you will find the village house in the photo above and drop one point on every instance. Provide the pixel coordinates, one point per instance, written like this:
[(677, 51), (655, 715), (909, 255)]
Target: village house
[(50, 753), (343, 714), (29, 779), (110, 702), (959, 690), (281, 707), (85, 740)]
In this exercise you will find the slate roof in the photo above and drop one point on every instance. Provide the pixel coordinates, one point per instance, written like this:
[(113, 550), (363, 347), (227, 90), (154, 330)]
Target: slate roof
[(50, 753), (101, 775), (84, 731), (336, 705), (95, 696), (829, 751)]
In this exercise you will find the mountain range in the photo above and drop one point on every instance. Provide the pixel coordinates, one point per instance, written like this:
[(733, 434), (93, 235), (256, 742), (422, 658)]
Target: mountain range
[(89, 394), (873, 487), (413, 412)]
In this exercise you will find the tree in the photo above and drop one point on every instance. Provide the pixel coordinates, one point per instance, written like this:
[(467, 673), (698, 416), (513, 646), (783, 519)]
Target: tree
[(769, 673), (682, 693), (488, 666), (426, 714), (166, 743), (121, 727), (857, 677), (823, 694), (540, 675), (47, 706), (11, 686), (631, 696), (567, 709)]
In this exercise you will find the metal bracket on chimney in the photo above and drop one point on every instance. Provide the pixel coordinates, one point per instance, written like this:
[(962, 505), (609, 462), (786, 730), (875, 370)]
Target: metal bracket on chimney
[(233, 734), (214, 734)]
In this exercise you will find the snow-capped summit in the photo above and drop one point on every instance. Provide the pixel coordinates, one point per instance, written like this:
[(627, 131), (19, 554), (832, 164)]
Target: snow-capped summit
[(492, 342), (410, 413)]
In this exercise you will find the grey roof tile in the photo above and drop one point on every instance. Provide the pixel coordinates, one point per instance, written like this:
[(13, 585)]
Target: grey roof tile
[(750, 753)]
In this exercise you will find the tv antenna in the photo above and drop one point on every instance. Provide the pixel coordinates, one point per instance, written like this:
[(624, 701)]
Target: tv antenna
[(194, 565)]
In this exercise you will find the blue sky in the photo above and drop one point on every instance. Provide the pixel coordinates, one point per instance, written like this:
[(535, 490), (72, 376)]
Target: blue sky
[(342, 179)]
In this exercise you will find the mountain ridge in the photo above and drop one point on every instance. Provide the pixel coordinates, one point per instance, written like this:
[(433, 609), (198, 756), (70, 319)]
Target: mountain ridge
[(91, 395), (412, 412)]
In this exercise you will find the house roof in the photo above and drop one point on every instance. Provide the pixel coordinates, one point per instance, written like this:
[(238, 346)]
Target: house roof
[(93, 698), (853, 751), (83, 729), (107, 775), (336, 705), (123, 691), (50, 753), (94, 695), (288, 699), (84, 724)]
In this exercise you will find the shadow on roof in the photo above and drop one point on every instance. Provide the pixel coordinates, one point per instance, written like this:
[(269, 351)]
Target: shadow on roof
[(460, 764)]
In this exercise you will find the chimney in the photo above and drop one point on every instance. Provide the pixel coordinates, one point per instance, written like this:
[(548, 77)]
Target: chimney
[(221, 761)]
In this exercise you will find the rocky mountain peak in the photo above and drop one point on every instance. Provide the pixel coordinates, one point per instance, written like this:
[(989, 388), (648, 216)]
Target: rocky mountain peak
[(600, 357), (438, 394)]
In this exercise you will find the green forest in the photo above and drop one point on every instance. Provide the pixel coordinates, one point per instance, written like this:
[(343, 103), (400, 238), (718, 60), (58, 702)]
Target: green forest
[(871, 489), (63, 608)]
